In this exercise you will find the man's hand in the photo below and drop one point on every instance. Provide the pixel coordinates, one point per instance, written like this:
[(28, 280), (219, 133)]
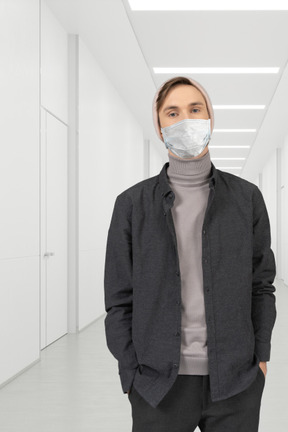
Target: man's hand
[(263, 366)]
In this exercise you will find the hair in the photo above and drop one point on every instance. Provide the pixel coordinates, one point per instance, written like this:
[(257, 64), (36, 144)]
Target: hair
[(173, 82)]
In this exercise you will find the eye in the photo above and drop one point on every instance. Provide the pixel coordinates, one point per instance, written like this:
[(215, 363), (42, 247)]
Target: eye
[(195, 109), (171, 113)]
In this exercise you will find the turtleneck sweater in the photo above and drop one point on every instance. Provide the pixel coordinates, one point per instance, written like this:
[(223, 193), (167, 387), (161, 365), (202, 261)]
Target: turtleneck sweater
[(189, 180)]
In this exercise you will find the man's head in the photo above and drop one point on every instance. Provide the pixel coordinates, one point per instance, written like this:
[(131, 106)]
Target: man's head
[(178, 99)]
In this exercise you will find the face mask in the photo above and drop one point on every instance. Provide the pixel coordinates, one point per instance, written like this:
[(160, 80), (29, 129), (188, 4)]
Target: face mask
[(187, 138)]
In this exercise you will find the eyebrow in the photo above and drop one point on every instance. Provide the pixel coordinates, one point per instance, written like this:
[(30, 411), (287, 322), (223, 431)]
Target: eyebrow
[(175, 106)]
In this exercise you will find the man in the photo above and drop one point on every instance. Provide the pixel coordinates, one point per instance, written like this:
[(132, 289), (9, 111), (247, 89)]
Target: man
[(188, 282)]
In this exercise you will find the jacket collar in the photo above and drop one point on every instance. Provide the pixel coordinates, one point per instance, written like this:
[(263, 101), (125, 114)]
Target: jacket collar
[(164, 184)]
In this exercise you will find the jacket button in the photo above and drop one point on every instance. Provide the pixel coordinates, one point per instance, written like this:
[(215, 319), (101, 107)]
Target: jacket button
[(177, 273), (177, 302), (175, 365), (204, 232), (177, 334)]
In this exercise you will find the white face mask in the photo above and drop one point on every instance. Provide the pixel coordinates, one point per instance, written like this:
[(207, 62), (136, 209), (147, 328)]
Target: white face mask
[(187, 138)]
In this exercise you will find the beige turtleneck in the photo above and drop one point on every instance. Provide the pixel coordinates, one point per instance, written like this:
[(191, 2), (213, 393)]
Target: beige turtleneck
[(189, 179)]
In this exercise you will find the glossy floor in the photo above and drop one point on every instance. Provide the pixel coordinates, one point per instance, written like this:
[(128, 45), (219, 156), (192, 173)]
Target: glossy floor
[(76, 387)]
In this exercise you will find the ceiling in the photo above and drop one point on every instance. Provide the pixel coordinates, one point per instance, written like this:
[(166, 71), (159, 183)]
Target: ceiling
[(129, 44)]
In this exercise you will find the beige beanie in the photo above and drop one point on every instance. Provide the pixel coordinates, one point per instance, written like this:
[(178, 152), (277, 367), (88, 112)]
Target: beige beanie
[(200, 88)]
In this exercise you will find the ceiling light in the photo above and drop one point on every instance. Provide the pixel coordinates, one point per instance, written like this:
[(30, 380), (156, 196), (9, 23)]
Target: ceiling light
[(238, 106), (214, 70), (240, 158), (228, 146), (234, 130), (208, 70), (220, 5)]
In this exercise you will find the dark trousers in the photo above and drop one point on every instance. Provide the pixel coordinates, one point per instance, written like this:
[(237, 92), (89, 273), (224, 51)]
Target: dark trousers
[(188, 405)]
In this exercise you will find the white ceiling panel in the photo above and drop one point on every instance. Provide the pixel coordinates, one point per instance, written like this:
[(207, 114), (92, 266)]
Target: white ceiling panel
[(129, 44), (183, 39)]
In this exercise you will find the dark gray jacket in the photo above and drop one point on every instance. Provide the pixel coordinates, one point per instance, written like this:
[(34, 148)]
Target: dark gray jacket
[(142, 283)]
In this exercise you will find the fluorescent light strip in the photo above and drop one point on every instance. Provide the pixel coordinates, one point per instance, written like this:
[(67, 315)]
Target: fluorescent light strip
[(223, 168), (229, 167), (240, 158), (234, 130), (223, 146), (220, 5), (238, 106), (214, 70)]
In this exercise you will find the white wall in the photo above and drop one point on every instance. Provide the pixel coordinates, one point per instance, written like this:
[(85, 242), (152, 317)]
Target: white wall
[(54, 65), (54, 108), (273, 182), (256, 181), (19, 179), (28, 28), (158, 156), (111, 158), (111, 155), (269, 190), (284, 210)]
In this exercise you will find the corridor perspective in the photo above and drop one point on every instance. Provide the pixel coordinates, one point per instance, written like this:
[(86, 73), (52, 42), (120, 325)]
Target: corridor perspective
[(102, 156)]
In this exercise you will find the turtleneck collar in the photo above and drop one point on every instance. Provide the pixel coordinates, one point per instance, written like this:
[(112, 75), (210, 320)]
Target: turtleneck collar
[(189, 172)]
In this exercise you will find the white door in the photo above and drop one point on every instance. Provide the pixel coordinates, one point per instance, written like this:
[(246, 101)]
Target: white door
[(54, 227)]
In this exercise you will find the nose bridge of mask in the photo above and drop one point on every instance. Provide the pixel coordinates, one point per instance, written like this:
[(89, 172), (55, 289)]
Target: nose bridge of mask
[(189, 121)]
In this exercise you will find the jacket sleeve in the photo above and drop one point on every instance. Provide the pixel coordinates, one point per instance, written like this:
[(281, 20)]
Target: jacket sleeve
[(264, 271), (119, 290)]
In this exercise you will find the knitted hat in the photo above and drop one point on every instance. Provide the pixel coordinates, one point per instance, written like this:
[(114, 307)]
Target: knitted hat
[(200, 88)]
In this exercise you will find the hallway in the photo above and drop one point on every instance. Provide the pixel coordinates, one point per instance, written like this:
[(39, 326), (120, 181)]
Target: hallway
[(86, 87)]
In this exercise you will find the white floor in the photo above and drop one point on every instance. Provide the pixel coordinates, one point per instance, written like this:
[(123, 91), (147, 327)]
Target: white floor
[(76, 387)]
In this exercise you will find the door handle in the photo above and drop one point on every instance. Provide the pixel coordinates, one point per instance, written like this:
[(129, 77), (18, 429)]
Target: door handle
[(47, 254)]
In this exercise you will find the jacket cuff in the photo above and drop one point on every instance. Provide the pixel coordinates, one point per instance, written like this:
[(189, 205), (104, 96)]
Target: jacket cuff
[(127, 378), (262, 350)]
